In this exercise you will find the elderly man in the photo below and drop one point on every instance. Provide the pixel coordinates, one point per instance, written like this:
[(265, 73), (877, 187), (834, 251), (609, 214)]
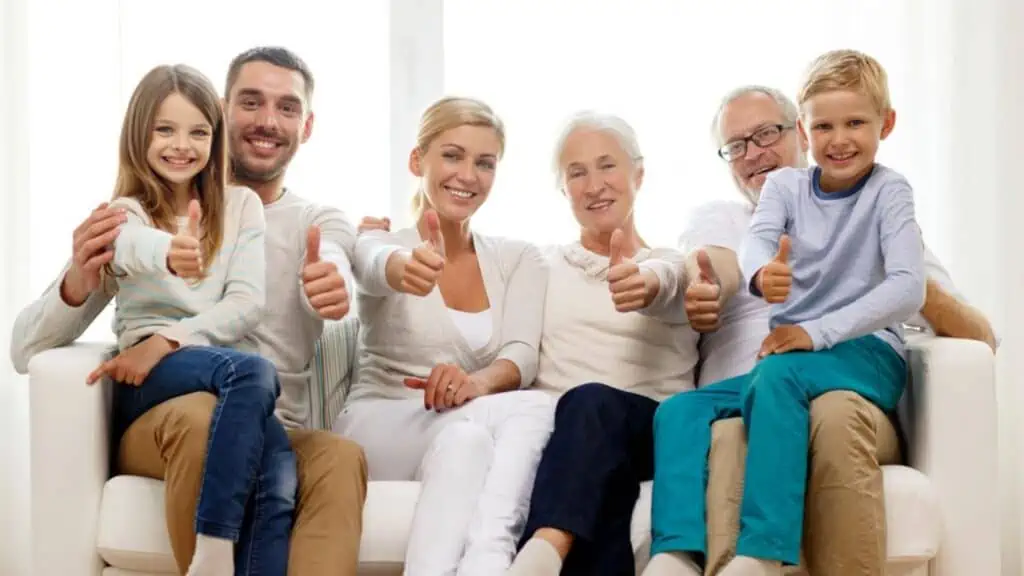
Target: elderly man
[(756, 131)]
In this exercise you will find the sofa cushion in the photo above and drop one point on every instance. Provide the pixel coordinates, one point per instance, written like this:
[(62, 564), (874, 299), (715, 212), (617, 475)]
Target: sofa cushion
[(132, 534)]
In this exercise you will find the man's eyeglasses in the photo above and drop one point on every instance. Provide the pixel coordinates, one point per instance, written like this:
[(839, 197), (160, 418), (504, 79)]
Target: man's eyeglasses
[(763, 137)]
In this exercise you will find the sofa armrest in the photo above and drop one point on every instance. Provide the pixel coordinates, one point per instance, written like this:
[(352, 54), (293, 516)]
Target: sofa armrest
[(69, 458), (332, 370), (951, 428)]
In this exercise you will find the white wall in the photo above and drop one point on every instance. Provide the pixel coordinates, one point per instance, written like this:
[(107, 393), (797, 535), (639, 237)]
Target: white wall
[(14, 480)]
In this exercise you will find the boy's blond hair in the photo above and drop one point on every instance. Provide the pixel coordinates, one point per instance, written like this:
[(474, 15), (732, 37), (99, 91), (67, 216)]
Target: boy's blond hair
[(846, 70)]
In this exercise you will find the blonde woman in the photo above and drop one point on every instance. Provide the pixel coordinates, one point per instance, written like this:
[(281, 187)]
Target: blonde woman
[(450, 327)]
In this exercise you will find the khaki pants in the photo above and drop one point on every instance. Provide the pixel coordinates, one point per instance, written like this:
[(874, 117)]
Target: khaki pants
[(844, 520), (169, 443)]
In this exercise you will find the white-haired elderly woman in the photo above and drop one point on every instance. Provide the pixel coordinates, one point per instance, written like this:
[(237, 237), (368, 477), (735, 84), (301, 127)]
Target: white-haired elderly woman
[(614, 343), (610, 365)]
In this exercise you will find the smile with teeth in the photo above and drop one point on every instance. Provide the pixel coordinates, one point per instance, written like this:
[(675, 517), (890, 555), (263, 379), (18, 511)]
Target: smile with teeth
[(178, 161), (764, 170), (461, 194), (842, 157), (262, 144), (600, 205)]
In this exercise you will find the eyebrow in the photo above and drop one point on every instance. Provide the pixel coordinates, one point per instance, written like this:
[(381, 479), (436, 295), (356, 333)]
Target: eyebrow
[(463, 150), (753, 130), (254, 92), (160, 120)]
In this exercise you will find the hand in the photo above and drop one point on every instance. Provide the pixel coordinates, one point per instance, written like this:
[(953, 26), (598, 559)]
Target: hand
[(631, 288), (92, 248), (423, 268), (370, 223), (785, 338), (323, 284), (776, 277), (133, 365), (185, 259), (702, 296), (447, 386)]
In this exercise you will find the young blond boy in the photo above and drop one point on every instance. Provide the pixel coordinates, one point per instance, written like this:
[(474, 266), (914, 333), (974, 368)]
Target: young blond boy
[(836, 250)]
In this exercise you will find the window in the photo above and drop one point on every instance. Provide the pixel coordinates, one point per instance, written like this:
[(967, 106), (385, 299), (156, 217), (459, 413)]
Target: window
[(86, 64), (662, 66)]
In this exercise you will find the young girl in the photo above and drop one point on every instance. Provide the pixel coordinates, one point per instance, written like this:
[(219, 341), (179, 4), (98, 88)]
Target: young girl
[(189, 272)]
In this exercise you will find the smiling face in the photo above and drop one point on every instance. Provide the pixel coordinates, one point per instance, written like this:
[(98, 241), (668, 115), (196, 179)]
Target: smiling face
[(751, 115), (843, 129), (457, 170), (267, 117), (179, 146), (600, 179)]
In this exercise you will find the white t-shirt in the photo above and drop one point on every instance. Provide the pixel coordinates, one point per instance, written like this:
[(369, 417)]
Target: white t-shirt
[(732, 349)]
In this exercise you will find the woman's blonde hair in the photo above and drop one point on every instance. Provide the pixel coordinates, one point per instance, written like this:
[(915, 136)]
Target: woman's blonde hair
[(137, 179), (846, 70), (452, 112)]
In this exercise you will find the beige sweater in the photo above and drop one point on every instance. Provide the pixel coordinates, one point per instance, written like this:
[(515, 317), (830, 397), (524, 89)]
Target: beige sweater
[(406, 336), (288, 331), (652, 353)]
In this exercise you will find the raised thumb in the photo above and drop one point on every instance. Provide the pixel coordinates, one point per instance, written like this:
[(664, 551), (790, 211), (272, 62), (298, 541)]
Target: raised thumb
[(195, 215), (615, 248), (434, 231), (707, 270), (783, 254), (313, 244)]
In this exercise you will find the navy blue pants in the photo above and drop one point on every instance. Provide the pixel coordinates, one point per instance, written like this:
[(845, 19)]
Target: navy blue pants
[(589, 476), (250, 479)]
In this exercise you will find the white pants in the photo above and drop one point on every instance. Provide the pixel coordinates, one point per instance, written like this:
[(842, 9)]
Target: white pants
[(476, 465)]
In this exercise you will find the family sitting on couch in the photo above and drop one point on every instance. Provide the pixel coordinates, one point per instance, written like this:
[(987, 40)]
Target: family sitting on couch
[(530, 390)]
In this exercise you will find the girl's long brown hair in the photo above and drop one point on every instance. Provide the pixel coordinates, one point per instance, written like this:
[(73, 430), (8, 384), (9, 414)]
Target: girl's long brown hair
[(136, 178)]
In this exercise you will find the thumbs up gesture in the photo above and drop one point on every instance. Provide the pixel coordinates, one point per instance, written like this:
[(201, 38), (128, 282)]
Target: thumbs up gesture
[(322, 283), (701, 302), (776, 277), (423, 269), (631, 288), (185, 259)]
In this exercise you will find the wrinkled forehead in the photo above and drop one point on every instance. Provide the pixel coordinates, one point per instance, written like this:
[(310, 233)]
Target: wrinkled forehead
[(586, 145), (746, 114)]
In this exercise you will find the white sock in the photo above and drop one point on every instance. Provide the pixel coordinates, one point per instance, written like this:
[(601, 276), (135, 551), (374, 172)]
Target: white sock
[(537, 558), (747, 566), (213, 557), (672, 564)]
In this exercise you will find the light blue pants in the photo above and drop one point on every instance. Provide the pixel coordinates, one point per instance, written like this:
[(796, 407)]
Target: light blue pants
[(774, 399)]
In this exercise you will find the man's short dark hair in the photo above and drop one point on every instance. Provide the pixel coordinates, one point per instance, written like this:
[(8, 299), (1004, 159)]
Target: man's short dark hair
[(275, 55)]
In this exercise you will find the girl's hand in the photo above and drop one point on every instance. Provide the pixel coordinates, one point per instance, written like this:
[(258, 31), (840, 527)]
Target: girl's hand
[(133, 365), (448, 386), (185, 259)]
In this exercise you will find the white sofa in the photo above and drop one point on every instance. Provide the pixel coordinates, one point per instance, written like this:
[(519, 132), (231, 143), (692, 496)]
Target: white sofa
[(942, 513)]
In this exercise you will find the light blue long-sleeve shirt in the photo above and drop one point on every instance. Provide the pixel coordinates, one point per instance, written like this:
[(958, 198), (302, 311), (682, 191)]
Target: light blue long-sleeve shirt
[(857, 256)]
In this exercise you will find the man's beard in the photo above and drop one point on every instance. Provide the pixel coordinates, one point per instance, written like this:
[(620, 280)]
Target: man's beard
[(242, 173)]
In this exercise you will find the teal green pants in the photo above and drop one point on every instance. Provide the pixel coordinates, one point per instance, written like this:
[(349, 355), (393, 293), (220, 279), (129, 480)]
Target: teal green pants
[(774, 399)]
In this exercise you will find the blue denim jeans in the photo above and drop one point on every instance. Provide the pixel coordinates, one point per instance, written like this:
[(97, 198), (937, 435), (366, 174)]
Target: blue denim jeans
[(249, 483)]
